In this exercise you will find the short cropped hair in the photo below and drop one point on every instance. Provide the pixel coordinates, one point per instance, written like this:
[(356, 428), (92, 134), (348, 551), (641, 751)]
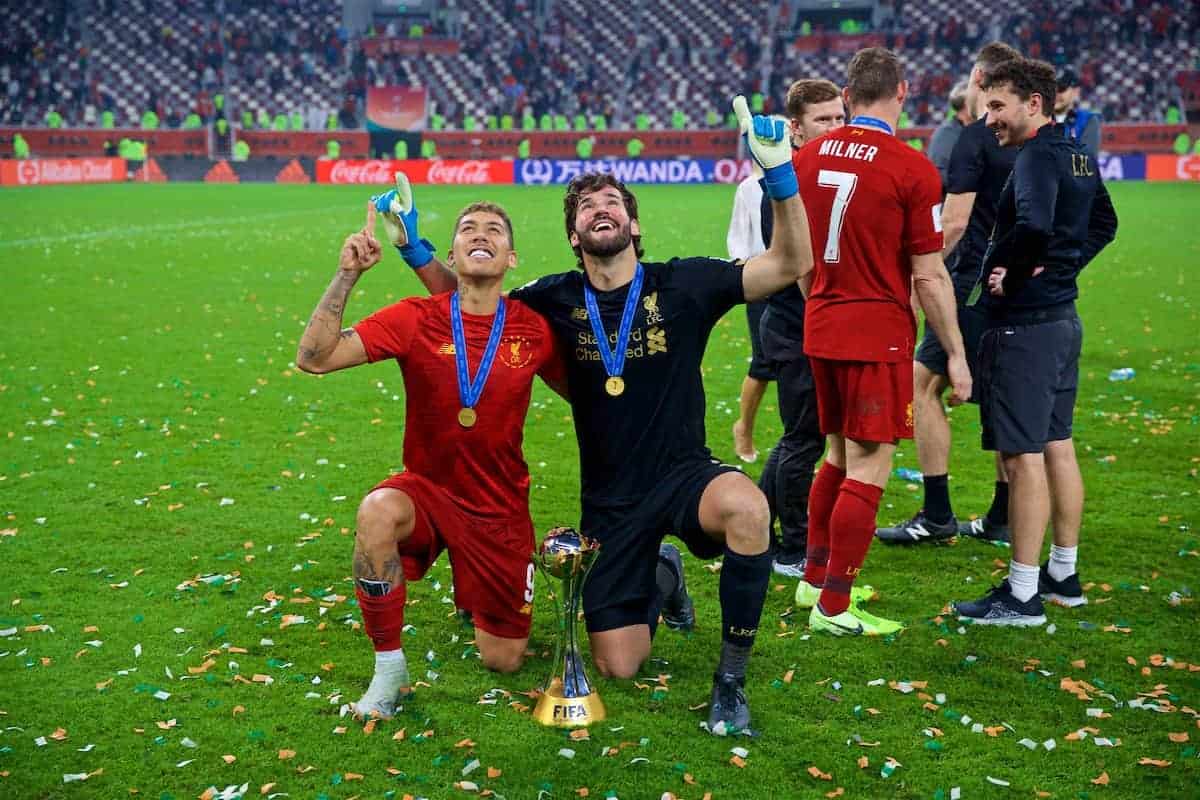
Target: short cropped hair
[(874, 74), (488, 208), (993, 54), (1026, 77), (958, 97), (587, 183), (807, 92)]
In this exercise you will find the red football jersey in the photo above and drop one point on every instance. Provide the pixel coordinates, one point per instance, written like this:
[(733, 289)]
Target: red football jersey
[(483, 465), (873, 202)]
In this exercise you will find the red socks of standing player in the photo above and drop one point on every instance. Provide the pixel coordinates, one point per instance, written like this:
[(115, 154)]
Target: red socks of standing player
[(821, 499), (383, 617), (852, 527)]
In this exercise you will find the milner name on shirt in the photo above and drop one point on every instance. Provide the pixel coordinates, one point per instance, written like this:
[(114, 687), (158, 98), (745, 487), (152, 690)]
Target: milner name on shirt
[(844, 149)]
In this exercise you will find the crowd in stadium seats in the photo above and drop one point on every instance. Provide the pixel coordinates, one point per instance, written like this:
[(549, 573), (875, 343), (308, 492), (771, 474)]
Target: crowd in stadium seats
[(291, 64)]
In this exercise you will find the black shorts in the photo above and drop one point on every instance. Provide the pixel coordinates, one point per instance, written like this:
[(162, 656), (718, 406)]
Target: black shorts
[(972, 322), (621, 586), (760, 367), (1028, 376)]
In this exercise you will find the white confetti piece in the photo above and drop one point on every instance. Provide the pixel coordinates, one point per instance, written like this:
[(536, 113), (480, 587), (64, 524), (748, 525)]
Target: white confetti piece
[(955, 793), (997, 781), (468, 786), (185, 763), (471, 767), (1095, 712), (227, 501), (1029, 744), (566, 752), (87, 748), (977, 727), (161, 695), (876, 682), (8, 632), (40, 741), (137, 650), (72, 777), (740, 752), (179, 630), (1049, 744)]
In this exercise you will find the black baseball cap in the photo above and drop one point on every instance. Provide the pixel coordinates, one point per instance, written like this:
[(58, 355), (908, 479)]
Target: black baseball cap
[(1067, 79)]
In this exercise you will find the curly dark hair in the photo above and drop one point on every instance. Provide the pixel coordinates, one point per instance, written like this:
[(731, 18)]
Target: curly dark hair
[(587, 183), (1026, 77)]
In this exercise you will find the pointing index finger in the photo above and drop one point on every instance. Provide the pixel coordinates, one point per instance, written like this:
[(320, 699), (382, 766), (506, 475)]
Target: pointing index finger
[(370, 226)]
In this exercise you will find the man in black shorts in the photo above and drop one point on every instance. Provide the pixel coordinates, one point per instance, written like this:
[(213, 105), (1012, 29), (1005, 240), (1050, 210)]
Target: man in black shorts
[(1054, 217), (633, 335), (974, 180)]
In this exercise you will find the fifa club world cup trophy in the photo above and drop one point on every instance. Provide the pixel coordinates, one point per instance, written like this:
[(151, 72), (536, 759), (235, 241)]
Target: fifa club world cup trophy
[(568, 700)]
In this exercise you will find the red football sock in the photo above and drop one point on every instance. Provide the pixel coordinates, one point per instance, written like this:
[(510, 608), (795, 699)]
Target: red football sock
[(852, 526), (821, 499), (383, 617)]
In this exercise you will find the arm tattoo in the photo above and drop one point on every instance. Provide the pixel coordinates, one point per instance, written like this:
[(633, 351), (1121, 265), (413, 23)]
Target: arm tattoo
[(324, 328)]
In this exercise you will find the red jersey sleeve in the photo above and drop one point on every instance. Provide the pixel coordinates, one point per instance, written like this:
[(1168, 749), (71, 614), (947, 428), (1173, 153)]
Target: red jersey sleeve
[(389, 331), (553, 369), (923, 211)]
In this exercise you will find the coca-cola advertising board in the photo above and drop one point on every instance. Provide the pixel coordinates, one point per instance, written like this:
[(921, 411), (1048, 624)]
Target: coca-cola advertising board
[(382, 171), (35, 172)]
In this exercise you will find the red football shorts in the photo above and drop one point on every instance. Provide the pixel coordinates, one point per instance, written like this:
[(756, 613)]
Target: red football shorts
[(490, 559), (867, 401)]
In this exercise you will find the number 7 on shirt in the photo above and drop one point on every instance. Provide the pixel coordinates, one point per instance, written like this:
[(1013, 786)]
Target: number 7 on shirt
[(844, 183)]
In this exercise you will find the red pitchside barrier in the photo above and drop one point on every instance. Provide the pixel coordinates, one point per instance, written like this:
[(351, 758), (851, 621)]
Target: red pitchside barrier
[(37, 172), (382, 171)]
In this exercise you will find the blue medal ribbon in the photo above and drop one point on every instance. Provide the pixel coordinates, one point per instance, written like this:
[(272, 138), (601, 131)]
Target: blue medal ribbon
[(469, 390), (614, 360), (864, 121)]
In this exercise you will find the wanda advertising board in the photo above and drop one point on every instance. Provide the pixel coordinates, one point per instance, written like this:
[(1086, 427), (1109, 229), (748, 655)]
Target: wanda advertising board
[(382, 171), (42, 171)]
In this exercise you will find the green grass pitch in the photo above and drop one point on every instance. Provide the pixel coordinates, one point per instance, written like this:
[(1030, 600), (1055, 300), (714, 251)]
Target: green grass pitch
[(153, 430)]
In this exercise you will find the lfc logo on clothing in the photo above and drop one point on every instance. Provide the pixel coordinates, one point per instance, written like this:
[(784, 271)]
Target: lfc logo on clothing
[(515, 351)]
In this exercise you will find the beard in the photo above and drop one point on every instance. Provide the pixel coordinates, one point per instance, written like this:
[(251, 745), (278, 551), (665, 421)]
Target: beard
[(606, 248)]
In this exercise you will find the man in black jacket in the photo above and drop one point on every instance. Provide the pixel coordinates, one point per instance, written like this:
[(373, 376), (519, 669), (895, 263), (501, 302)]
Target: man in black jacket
[(1053, 218)]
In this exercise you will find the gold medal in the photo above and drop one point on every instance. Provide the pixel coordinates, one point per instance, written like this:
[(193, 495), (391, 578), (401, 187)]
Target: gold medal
[(467, 417), (615, 385)]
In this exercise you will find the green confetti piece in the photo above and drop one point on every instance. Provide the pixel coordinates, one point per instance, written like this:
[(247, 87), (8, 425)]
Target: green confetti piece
[(934, 745), (439, 760), (257, 736), (336, 779), (140, 618)]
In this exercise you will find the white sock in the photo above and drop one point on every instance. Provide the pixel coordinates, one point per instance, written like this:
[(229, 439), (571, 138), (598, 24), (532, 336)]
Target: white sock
[(1062, 561), (391, 675), (1023, 579)]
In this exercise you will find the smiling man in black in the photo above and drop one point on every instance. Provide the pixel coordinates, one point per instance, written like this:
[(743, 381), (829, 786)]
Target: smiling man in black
[(634, 335)]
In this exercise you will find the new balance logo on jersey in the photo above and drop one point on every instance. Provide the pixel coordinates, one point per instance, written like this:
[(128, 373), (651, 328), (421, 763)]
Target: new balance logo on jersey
[(446, 349), (843, 149)]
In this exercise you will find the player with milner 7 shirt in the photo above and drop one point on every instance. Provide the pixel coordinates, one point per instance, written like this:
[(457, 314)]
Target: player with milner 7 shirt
[(874, 209)]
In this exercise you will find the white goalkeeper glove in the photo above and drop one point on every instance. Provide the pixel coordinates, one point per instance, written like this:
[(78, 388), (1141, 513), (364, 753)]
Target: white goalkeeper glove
[(767, 140), (399, 214)]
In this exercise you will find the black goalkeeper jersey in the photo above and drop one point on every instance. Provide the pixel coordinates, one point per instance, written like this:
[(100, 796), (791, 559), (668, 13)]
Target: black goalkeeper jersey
[(627, 442)]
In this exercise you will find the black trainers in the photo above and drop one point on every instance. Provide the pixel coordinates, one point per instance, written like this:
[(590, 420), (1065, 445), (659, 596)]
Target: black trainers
[(728, 711), (999, 607), (919, 529), (985, 530), (1066, 592), (678, 613)]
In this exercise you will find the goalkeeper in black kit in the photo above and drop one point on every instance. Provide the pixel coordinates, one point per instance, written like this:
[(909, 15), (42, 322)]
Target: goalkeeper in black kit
[(1054, 217)]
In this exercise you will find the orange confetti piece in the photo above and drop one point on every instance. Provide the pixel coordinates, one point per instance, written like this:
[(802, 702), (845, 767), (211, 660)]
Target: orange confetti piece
[(942, 643), (260, 678), (399, 735), (464, 743), (104, 684), (817, 773), (1131, 661), (352, 776), (863, 762), (205, 667), (266, 788), (208, 794), (738, 762), (239, 709), (930, 707), (59, 734), (237, 650), (1178, 738), (787, 676), (91, 629), (494, 773), (339, 730), (1153, 762), (166, 726), (228, 759), (582, 791), (1101, 779), (284, 755), (369, 728), (689, 779), (838, 792), (1079, 664), (427, 734), (579, 735)]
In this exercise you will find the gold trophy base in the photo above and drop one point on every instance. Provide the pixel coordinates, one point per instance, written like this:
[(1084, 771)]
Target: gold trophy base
[(557, 711)]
